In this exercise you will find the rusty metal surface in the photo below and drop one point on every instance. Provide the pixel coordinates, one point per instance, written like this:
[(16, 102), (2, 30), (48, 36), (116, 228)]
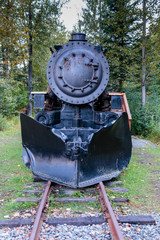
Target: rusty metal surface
[(125, 106), (39, 217), (106, 205)]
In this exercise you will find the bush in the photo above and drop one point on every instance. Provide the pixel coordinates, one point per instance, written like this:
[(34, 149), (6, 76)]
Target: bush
[(13, 97), (145, 121)]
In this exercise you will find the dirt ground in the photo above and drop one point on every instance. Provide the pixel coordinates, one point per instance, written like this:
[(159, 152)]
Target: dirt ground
[(142, 143)]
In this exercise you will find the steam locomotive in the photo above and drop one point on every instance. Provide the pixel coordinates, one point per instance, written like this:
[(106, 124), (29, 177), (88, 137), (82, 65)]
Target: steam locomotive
[(81, 136)]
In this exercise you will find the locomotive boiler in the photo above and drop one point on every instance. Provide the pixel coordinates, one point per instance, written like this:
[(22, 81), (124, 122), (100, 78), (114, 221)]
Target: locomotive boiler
[(81, 136)]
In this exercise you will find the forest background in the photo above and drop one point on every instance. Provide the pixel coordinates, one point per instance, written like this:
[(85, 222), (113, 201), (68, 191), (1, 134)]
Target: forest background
[(128, 30)]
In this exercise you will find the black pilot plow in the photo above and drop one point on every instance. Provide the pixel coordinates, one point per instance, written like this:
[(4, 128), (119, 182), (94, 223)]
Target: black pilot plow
[(82, 135)]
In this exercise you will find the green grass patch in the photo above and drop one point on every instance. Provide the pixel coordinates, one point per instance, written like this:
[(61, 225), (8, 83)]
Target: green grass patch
[(77, 194), (13, 173), (139, 178)]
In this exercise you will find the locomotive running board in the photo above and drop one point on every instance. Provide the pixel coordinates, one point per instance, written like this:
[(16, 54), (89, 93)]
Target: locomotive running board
[(44, 152)]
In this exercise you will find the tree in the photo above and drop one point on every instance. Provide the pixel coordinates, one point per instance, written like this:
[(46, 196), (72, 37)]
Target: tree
[(43, 23), (12, 37), (13, 47), (112, 24), (149, 12), (92, 20), (27, 30)]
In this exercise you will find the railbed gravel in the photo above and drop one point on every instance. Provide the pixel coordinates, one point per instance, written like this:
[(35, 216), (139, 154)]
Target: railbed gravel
[(96, 232)]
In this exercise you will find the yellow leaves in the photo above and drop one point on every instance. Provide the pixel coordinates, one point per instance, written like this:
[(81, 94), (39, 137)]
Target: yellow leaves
[(124, 213), (109, 189)]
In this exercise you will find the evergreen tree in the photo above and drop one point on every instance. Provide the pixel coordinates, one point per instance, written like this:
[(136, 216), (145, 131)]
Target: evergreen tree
[(112, 24), (92, 20), (119, 34)]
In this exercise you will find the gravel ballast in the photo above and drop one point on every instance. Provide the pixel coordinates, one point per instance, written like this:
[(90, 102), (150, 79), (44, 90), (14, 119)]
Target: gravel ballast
[(99, 232)]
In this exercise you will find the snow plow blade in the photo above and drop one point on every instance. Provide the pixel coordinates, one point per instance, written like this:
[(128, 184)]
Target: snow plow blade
[(50, 155)]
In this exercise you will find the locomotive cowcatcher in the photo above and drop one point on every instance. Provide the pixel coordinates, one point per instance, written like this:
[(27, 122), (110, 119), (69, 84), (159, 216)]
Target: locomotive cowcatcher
[(81, 136)]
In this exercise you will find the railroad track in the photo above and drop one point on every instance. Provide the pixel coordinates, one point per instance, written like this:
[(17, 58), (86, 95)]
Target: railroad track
[(106, 206), (77, 221)]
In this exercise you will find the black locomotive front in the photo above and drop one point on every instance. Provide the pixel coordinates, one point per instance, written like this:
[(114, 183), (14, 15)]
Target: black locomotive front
[(76, 140)]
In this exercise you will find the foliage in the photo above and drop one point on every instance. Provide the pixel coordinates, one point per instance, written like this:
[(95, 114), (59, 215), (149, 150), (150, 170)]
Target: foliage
[(113, 24), (77, 194), (12, 97), (91, 23), (46, 31), (14, 52), (145, 121), (117, 26)]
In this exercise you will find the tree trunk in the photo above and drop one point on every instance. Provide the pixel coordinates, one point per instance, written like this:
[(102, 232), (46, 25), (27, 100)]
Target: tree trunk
[(29, 110), (5, 48), (144, 56), (100, 22), (5, 70)]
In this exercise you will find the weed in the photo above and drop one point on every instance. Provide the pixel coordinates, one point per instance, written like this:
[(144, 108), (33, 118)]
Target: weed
[(77, 194)]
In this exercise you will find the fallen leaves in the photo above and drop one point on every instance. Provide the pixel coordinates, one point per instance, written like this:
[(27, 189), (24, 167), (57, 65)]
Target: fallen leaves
[(16, 214)]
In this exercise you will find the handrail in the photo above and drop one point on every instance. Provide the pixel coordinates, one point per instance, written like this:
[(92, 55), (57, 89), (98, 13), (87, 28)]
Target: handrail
[(125, 106)]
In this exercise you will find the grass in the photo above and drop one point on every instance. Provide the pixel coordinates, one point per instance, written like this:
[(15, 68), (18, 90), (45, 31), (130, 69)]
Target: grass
[(13, 173), (140, 178), (74, 207)]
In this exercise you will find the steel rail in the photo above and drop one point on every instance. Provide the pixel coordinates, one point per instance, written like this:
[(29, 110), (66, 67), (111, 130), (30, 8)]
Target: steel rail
[(39, 218), (106, 205)]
